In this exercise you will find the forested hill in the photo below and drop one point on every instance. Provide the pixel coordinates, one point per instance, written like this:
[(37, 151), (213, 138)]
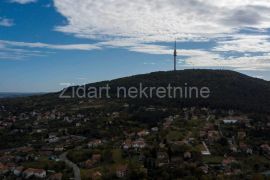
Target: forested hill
[(229, 90)]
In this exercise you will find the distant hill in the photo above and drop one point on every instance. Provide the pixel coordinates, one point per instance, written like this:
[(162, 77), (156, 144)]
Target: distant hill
[(14, 95), (229, 90)]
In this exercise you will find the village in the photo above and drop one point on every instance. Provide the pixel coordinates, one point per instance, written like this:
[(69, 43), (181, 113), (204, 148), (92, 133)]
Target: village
[(112, 141)]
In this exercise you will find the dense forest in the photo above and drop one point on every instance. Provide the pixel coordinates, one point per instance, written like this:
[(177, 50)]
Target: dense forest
[(228, 90)]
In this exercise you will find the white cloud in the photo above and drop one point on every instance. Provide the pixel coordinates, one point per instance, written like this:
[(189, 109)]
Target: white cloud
[(211, 59), (19, 54), (150, 49), (259, 77), (6, 22), (66, 84), (23, 1), (22, 50), (160, 20), (83, 47), (149, 63), (244, 43), (139, 25), (15, 53), (237, 3)]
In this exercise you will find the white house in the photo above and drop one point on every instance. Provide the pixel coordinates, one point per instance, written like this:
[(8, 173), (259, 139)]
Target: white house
[(94, 143), (18, 171), (139, 144), (38, 173), (230, 121)]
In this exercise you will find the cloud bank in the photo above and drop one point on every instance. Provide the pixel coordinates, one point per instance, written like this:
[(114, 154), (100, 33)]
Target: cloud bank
[(139, 25), (237, 29), (20, 50), (161, 20)]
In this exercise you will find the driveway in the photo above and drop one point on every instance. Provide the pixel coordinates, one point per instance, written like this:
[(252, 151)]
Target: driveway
[(76, 169)]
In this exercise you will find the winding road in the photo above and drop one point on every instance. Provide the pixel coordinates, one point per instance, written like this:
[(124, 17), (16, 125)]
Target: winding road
[(76, 169)]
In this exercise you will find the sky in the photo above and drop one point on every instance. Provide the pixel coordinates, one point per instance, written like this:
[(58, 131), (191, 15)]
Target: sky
[(46, 45)]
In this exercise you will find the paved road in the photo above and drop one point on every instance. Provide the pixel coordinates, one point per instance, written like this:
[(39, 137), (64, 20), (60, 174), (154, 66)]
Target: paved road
[(76, 169)]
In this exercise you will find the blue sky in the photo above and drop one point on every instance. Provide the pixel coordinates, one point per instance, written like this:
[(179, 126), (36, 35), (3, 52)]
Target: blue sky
[(48, 44)]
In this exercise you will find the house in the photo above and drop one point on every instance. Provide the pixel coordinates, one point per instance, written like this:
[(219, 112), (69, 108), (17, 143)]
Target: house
[(127, 144), (3, 169), (11, 166), (86, 119), (53, 138), (162, 158), (94, 143), (67, 119), (88, 164), (126, 105), (96, 158), (187, 155), (241, 135), (28, 173), (213, 136), (203, 134), (191, 140), (150, 109), (19, 159), (204, 169), (233, 148), (249, 151), (46, 151), (25, 149), (209, 127), (18, 170), (56, 176), (59, 148), (40, 130), (265, 148), (142, 157), (139, 144), (80, 116), (245, 148), (166, 125), (143, 133), (37, 173), (96, 175), (154, 129), (121, 171), (115, 115), (228, 161), (230, 121), (6, 158)]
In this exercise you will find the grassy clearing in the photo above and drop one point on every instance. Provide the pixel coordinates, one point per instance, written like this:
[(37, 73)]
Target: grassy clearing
[(175, 136), (212, 159), (117, 155)]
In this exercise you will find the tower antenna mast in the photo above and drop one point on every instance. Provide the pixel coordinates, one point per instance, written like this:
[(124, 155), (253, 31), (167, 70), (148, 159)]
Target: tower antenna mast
[(175, 55)]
